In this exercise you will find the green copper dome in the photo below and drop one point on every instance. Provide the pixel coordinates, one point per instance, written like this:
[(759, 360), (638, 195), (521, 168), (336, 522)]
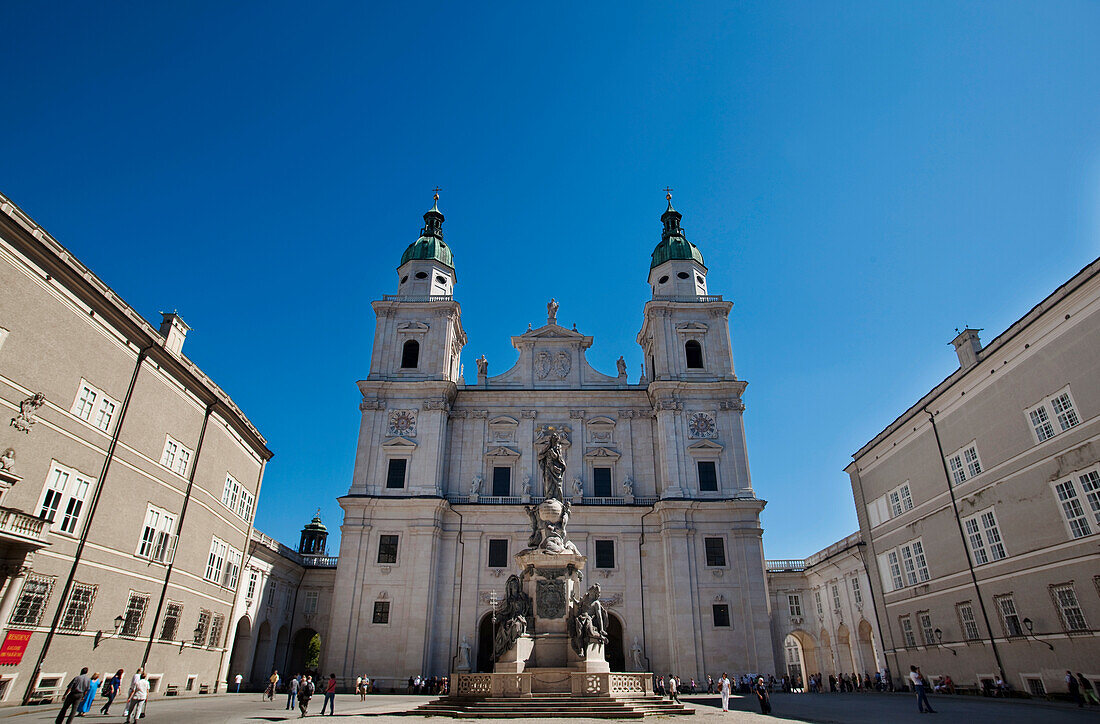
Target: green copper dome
[(430, 245), (673, 243)]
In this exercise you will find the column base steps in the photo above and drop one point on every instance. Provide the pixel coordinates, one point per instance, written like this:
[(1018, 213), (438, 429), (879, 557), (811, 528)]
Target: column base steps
[(553, 706)]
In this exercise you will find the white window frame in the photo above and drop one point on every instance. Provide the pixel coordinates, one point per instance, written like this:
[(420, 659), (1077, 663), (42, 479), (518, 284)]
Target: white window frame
[(158, 536), (1053, 415), (85, 402), (1005, 614), (1069, 607), (899, 500), (927, 630), (215, 564), (794, 603), (233, 559), (983, 537), (253, 579), (835, 590), (176, 456), (967, 621), (309, 606), (236, 498), (908, 634), (817, 602), (914, 562), (63, 498), (965, 463), (1078, 499), (94, 406), (857, 593)]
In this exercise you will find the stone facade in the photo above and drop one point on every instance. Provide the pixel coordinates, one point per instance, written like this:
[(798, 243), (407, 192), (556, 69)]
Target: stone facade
[(980, 505), (658, 479), (823, 618), (128, 503)]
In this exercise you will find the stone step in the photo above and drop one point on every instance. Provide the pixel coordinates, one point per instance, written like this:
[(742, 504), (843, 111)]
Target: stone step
[(553, 706)]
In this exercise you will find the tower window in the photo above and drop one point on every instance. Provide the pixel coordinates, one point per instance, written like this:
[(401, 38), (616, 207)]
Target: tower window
[(502, 481), (601, 482), (410, 355), (404, 278), (663, 279), (682, 275), (698, 278), (387, 549), (708, 476), (395, 474), (440, 280), (422, 275), (694, 352), (721, 613)]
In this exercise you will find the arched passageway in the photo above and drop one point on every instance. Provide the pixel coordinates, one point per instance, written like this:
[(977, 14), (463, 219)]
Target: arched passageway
[(242, 649), (282, 650), (866, 643), (845, 664), (613, 650), (485, 644), (300, 654), (800, 654), (261, 662)]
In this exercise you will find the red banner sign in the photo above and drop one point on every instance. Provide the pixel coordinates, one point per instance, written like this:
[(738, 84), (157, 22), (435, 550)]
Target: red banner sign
[(15, 645)]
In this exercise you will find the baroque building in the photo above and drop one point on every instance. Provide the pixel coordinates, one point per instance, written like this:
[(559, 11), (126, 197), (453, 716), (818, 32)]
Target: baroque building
[(980, 505), (128, 481), (658, 478)]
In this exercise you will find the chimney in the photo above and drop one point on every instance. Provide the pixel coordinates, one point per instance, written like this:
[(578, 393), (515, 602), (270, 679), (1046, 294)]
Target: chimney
[(174, 330), (968, 347)]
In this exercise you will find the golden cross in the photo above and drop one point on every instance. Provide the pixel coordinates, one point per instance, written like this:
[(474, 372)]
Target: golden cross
[(668, 193), (436, 191)]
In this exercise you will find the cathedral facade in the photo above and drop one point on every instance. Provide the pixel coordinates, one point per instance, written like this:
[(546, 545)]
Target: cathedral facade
[(661, 499)]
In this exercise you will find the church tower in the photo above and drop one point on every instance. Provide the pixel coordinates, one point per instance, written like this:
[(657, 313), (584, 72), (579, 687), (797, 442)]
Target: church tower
[(688, 357), (314, 540)]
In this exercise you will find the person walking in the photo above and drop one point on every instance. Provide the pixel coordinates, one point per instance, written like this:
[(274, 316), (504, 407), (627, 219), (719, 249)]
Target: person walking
[(136, 705), (725, 688), (74, 695), (89, 698), (305, 693), (763, 696), (1074, 689), (330, 696), (272, 682), (292, 691), (237, 680), (1088, 692), (110, 690), (673, 688), (919, 687), (134, 680)]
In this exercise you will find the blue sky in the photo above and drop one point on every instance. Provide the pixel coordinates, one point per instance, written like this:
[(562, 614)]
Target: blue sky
[(862, 178)]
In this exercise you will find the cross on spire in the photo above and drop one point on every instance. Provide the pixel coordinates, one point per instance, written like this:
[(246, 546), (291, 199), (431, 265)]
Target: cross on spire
[(436, 191), (668, 193)]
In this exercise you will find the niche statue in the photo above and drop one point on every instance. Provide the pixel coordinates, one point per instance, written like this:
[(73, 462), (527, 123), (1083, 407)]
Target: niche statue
[(587, 621), (513, 617)]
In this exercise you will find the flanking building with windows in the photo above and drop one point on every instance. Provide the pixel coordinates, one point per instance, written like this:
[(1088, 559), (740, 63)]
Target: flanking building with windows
[(129, 481), (658, 478), (980, 505)]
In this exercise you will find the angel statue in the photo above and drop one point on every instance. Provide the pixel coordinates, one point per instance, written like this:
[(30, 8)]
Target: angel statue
[(587, 621), (514, 616)]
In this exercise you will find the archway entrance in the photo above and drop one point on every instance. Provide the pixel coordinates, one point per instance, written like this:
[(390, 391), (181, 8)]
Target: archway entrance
[(242, 647), (845, 663), (485, 644), (299, 653), (613, 650), (282, 642), (800, 650), (866, 638), (261, 663), (827, 660)]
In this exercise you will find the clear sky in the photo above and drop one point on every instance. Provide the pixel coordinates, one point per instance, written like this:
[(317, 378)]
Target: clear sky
[(862, 178)]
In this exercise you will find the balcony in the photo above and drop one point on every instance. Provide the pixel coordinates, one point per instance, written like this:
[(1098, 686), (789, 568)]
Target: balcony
[(417, 297), (23, 529), (699, 298), (516, 500), (312, 561), (785, 565)]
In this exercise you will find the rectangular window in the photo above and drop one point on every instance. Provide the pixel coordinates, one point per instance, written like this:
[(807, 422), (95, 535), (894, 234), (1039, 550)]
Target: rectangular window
[(158, 537), (969, 623), (926, 629), (817, 600), (77, 610), (894, 567), (175, 456), (498, 553), (716, 551), (32, 601), (244, 508), (135, 613), (215, 564), (232, 568), (914, 563), (1053, 415), (964, 464), (104, 414), (795, 604), (387, 548), (63, 499), (721, 612), (907, 631), (1074, 502), (901, 500), (1068, 607), (857, 594), (252, 580), (381, 612), (502, 481), (836, 597), (1063, 411), (605, 554), (217, 623), (312, 597), (601, 482), (272, 589), (395, 473), (85, 402), (708, 476), (199, 635), (984, 538), (1040, 422), (171, 623), (1009, 618), (287, 599)]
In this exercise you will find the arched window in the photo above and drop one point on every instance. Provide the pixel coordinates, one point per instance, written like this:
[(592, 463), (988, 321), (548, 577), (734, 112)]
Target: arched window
[(694, 352), (410, 355)]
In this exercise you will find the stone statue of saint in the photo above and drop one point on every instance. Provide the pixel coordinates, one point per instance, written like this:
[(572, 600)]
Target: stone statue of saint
[(482, 366), (552, 465), (635, 655), (464, 661), (552, 311), (628, 487), (525, 485), (621, 364), (578, 488), (513, 617), (475, 485), (587, 621), (7, 460)]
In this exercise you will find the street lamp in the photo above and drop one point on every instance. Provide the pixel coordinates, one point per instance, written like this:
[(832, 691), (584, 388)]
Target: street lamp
[(494, 600), (119, 620), (1030, 627), (939, 641)]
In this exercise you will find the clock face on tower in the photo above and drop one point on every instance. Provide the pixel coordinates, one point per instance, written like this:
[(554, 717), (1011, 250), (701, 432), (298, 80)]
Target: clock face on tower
[(403, 422), (701, 425)]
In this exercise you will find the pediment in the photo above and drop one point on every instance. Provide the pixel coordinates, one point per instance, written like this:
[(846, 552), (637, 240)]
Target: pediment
[(601, 453), (504, 420), (551, 331), (600, 421), (412, 327), (705, 446), (691, 327), (396, 444), (501, 451)]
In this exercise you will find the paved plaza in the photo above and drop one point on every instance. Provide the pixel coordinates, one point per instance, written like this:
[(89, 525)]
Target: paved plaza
[(384, 709)]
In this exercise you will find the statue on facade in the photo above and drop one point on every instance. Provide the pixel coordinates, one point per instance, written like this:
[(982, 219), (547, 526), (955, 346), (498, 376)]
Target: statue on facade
[(475, 485), (552, 311), (628, 487), (635, 656), (482, 366), (7, 460), (28, 408), (578, 488), (525, 485), (621, 365), (464, 661), (513, 617), (587, 621), (552, 465), (550, 517)]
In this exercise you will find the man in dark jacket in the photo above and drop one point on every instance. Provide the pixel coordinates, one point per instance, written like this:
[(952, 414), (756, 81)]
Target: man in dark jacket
[(74, 694)]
